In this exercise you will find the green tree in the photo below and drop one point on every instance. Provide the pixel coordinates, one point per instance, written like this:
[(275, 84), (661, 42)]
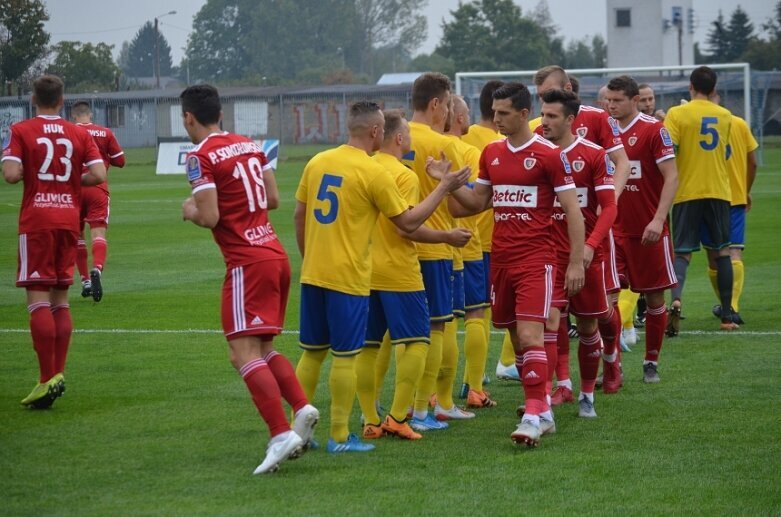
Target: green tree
[(23, 39), (717, 40), (141, 53), (84, 66), (740, 32), (586, 53), (494, 35), (433, 63), (389, 24)]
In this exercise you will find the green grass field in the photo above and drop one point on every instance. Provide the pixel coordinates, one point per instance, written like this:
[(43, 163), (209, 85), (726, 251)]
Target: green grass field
[(155, 421)]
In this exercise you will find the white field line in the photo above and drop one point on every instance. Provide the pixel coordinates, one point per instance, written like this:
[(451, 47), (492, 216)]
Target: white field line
[(296, 332)]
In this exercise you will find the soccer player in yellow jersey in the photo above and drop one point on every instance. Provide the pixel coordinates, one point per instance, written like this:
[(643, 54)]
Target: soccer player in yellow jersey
[(341, 194), (397, 302), (430, 100), (475, 299), (700, 131), (742, 167)]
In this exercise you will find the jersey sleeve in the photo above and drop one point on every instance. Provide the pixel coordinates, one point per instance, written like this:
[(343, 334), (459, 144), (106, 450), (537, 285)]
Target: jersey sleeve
[(301, 191), (603, 185), (751, 142), (561, 171), (91, 152), (115, 153), (13, 146), (199, 173), (603, 171), (671, 123), (386, 195), (611, 136), (452, 154), (482, 176), (661, 143), (409, 188)]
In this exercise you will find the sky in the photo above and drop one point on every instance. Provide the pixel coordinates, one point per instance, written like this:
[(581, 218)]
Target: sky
[(115, 21)]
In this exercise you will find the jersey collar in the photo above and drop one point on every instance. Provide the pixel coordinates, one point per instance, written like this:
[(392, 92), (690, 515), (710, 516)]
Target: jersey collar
[(522, 147), (572, 145), (629, 126), (50, 117)]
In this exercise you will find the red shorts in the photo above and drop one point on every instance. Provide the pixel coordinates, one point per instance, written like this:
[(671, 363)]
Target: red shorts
[(521, 293), (612, 280), (645, 268), (94, 207), (46, 258), (254, 298), (591, 301)]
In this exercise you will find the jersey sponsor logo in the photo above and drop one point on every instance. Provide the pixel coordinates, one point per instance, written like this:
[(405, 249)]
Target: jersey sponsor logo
[(260, 235), (629, 187), (516, 196), (193, 168), (613, 126), (495, 162), (565, 162), (666, 139), (635, 170), (525, 216), (582, 132), (632, 140), (582, 198), (256, 321), (578, 165), (52, 200), (529, 163), (609, 166)]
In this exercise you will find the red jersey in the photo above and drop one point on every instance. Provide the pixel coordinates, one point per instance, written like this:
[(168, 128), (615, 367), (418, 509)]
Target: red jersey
[(595, 125), (524, 181), (647, 144), (108, 146), (234, 165), (592, 172), (52, 152)]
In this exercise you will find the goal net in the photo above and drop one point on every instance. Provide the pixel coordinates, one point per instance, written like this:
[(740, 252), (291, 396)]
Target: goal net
[(742, 92)]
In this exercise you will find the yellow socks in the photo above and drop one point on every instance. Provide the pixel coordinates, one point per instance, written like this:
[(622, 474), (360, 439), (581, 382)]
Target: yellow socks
[(428, 380), (409, 369), (712, 275), (627, 301), (365, 364), (381, 366), (342, 386), (476, 352), (507, 356), (737, 283), (447, 370), (308, 371)]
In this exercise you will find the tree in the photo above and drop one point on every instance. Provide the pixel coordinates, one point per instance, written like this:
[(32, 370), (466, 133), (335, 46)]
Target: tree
[(433, 63), (390, 24), (84, 66), (141, 53), (494, 35), (717, 40), (740, 32), (22, 37)]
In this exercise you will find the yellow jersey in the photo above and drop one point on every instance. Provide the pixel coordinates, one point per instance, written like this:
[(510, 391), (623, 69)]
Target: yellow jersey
[(427, 142), (344, 190), (480, 136), (473, 249), (741, 142), (535, 123), (700, 130), (395, 265)]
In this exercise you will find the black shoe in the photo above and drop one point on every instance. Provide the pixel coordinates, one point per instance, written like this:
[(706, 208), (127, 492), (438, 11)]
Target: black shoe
[(717, 310), (573, 332), (673, 321), (650, 374), (737, 319), (97, 287), (86, 289)]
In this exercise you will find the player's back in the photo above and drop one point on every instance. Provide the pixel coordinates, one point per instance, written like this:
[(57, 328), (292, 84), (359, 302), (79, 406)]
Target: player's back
[(108, 146), (52, 152), (344, 190), (597, 126), (700, 130), (234, 165)]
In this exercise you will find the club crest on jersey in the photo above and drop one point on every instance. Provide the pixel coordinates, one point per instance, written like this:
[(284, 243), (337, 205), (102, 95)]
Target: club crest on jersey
[(578, 165), (666, 139), (613, 125), (582, 132), (632, 140), (529, 163), (193, 168)]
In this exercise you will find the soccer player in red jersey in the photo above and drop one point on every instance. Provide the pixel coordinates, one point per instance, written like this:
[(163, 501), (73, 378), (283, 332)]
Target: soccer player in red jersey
[(233, 187), (95, 203), (48, 153), (592, 172), (644, 250), (520, 177)]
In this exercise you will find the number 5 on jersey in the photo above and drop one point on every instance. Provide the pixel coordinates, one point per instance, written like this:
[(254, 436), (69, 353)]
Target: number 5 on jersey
[(327, 193)]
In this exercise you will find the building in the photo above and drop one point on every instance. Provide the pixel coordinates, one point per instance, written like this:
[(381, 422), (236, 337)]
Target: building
[(649, 33)]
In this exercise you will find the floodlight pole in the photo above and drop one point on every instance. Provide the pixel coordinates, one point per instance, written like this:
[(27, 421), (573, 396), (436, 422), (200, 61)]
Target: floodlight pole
[(157, 48)]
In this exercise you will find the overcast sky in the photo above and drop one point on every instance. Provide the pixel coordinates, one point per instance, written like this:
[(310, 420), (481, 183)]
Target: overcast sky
[(115, 21)]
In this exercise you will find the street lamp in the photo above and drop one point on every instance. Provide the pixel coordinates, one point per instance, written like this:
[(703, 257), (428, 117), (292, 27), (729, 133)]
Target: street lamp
[(157, 48)]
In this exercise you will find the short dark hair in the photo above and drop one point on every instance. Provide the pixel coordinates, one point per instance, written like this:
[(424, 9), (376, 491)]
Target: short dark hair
[(48, 91), (487, 99), (80, 109), (703, 80), (545, 72), (393, 121), (428, 86), (575, 83), (203, 101), (569, 100), (357, 117), (517, 92), (624, 83), (645, 85)]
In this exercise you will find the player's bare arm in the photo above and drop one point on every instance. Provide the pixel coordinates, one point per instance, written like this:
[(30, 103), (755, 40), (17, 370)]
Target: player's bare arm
[(576, 230), (621, 162), (470, 201), (272, 191), (751, 175), (410, 220), (201, 208), (95, 175), (12, 171), (299, 221), (457, 237), (653, 231)]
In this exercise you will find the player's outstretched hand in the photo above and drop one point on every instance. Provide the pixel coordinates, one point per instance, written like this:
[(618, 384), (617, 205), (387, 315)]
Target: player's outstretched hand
[(575, 278), (189, 208), (459, 237), (437, 168), (455, 180), (652, 233)]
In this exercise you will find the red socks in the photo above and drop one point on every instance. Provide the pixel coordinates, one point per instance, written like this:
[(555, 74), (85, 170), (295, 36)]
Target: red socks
[(81, 260), (265, 393), (562, 341), (551, 355), (63, 326), (534, 373), (610, 330), (44, 334), (655, 323), (99, 250), (589, 354), (286, 379)]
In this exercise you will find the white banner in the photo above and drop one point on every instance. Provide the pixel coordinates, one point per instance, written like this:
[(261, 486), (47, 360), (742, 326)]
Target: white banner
[(171, 156)]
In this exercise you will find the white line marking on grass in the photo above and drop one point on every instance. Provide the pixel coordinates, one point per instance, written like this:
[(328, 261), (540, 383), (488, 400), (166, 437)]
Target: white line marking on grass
[(296, 332)]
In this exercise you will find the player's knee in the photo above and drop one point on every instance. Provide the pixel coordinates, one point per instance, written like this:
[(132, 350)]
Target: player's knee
[(587, 325)]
